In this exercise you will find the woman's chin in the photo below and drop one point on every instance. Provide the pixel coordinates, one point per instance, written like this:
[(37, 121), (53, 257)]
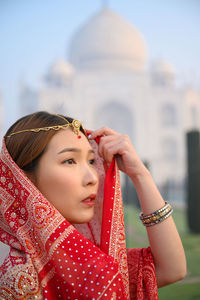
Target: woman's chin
[(82, 219)]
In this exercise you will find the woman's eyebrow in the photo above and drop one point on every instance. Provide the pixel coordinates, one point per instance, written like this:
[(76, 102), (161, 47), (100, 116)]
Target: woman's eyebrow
[(74, 150)]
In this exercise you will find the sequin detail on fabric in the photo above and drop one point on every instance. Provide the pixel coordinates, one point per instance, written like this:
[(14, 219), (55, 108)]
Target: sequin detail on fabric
[(20, 279), (51, 259), (58, 256)]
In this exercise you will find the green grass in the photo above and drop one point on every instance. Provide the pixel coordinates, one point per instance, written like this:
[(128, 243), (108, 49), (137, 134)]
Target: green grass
[(190, 291), (189, 288)]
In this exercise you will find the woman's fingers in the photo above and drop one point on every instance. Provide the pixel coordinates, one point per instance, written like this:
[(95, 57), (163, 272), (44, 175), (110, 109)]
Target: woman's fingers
[(104, 131), (119, 145), (108, 148), (109, 138), (112, 145)]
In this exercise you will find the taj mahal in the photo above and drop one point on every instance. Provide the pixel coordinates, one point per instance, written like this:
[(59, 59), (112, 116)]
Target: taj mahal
[(108, 79)]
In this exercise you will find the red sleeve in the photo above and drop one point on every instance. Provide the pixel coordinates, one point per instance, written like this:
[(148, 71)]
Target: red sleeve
[(142, 276)]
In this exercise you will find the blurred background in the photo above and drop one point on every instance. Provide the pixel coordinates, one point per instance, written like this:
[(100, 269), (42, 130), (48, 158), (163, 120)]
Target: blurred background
[(130, 65)]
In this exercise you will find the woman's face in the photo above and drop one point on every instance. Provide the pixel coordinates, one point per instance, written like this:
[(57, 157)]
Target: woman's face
[(66, 176)]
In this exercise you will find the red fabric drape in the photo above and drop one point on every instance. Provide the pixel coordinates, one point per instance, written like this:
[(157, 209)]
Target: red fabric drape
[(51, 259)]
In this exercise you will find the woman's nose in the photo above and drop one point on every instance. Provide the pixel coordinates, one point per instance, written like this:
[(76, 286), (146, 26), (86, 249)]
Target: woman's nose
[(90, 176)]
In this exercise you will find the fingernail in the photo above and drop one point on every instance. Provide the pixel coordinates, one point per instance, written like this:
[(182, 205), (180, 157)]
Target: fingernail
[(89, 136)]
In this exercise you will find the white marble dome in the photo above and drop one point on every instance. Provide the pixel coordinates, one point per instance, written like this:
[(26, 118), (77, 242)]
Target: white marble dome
[(60, 71), (163, 66), (163, 72), (108, 41)]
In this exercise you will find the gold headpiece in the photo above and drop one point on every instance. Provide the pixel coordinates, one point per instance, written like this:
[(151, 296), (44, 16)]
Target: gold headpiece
[(75, 127)]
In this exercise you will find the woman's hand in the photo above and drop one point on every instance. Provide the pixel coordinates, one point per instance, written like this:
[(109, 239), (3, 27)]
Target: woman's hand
[(113, 144), (164, 239)]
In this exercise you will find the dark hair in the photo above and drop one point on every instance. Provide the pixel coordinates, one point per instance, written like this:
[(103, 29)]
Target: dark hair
[(26, 148)]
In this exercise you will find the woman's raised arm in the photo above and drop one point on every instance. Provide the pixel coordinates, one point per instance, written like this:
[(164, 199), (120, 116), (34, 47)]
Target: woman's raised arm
[(164, 239)]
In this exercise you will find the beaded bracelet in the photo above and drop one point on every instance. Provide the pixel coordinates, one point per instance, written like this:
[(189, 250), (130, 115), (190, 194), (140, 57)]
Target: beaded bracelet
[(157, 216)]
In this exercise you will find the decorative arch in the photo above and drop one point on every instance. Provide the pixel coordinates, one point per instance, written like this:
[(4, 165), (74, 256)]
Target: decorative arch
[(116, 116), (168, 115)]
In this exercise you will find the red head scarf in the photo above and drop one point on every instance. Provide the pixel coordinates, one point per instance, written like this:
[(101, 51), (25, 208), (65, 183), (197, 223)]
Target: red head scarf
[(51, 259)]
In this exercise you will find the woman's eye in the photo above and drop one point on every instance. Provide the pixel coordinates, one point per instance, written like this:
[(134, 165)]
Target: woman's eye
[(91, 161), (69, 161)]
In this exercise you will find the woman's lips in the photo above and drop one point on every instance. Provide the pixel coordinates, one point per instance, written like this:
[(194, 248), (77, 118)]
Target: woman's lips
[(90, 200)]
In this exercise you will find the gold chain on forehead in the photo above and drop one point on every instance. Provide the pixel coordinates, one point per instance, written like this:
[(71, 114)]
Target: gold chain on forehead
[(75, 124)]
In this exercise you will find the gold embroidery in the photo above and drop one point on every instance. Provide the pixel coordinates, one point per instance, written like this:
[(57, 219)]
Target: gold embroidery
[(114, 297), (21, 282), (59, 240), (48, 277), (117, 245), (106, 287)]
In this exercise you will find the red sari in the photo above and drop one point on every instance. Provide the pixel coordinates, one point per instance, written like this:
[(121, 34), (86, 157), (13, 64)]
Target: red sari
[(51, 259)]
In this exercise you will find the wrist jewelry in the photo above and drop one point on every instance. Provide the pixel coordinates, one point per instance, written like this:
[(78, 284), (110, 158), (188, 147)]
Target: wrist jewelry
[(157, 216)]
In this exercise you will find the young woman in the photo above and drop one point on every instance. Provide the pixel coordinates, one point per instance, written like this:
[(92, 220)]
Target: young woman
[(61, 214)]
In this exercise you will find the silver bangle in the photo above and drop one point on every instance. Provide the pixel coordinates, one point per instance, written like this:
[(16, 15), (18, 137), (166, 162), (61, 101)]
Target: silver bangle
[(157, 216)]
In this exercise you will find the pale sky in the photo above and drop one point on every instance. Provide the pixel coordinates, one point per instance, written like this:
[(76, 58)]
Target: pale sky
[(35, 33)]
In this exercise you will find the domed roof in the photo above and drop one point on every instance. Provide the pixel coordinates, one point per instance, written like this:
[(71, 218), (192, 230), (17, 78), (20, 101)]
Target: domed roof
[(107, 40), (60, 71), (163, 66), (61, 67), (163, 72)]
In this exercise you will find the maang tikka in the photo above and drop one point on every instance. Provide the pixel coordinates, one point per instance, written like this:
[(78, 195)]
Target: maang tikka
[(75, 125)]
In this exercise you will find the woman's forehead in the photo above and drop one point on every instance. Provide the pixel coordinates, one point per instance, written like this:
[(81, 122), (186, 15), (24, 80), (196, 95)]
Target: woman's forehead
[(66, 138)]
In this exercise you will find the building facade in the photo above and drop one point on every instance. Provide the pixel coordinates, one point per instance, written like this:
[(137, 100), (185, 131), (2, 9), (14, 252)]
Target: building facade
[(108, 80)]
